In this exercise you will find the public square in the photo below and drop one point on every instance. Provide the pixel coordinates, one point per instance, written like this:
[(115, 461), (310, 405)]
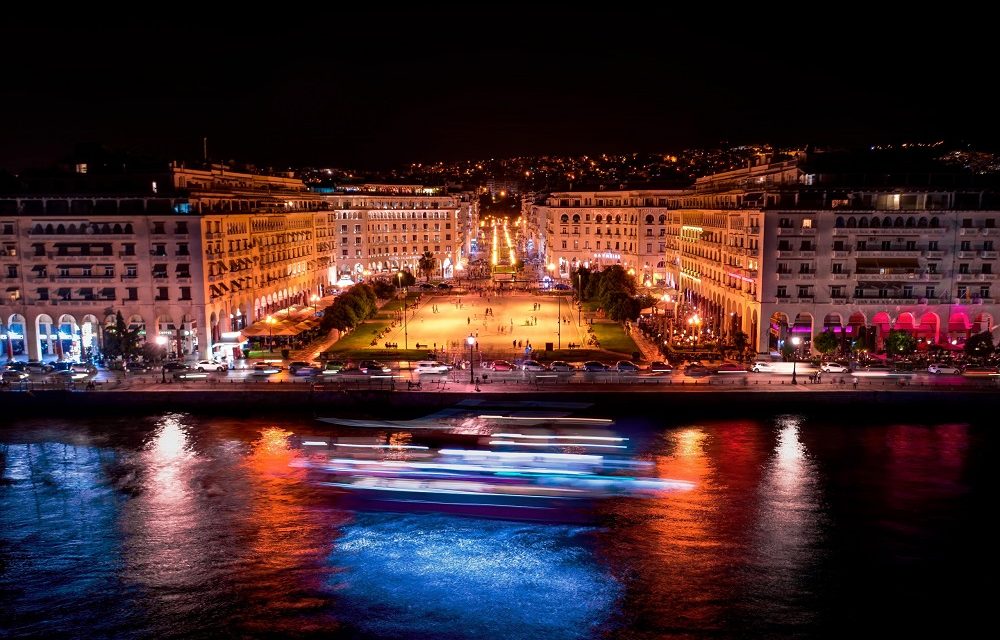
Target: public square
[(504, 325)]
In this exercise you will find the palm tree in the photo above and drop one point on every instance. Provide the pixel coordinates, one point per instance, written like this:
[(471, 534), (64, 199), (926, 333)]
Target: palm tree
[(427, 264)]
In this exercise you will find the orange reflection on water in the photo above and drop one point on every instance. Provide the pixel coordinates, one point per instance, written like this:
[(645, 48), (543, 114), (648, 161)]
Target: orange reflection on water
[(289, 531)]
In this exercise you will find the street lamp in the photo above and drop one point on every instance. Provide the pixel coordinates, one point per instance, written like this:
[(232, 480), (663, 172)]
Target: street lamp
[(270, 321), (796, 341), (559, 318), (406, 338), (695, 323), (161, 341), (471, 341)]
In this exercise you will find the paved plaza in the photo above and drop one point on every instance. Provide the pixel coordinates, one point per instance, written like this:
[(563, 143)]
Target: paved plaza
[(444, 321)]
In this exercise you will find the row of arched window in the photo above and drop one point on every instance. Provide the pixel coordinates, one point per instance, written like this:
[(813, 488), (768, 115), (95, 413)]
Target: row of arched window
[(83, 228), (887, 222)]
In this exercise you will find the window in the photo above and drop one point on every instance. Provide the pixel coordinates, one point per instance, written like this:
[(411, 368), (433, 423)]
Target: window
[(838, 267), (185, 293), (343, 228), (804, 267), (963, 291), (929, 292), (158, 227), (132, 293), (839, 246), (182, 228), (932, 245), (782, 292), (837, 292), (990, 223), (932, 267), (804, 292), (862, 245), (162, 293), (807, 223), (128, 249), (63, 271), (966, 245), (907, 290), (911, 245), (12, 271), (988, 245), (182, 249), (131, 271), (987, 267), (159, 250), (859, 292), (563, 244), (357, 228), (984, 291), (43, 293), (963, 267), (109, 271), (805, 245), (886, 245), (966, 223)]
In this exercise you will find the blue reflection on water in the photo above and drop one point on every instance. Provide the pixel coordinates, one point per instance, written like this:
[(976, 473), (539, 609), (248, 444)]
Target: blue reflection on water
[(428, 575)]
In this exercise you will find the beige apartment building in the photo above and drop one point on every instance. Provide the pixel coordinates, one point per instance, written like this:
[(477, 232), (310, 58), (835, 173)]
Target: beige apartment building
[(796, 248), (202, 254), (602, 228)]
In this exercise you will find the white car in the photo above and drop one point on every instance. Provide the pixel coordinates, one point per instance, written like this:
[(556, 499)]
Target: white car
[(943, 368), (834, 367), (431, 366), (209, 365), (763, 367)]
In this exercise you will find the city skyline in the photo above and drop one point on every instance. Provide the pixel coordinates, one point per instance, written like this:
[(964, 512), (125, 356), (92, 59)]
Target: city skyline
[(373, 91)]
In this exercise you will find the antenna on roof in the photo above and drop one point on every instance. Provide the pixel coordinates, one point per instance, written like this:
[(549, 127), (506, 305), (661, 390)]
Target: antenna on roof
[(204, 148)]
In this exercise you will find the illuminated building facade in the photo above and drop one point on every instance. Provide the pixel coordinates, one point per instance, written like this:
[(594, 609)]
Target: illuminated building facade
[(603, 228)]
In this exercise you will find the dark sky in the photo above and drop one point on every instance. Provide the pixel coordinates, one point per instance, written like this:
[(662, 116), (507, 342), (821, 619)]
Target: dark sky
[(370, 90)]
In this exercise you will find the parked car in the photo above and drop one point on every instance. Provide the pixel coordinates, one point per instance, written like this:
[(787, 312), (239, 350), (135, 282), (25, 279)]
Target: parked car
[(263, 369), (209, 365), (939, 369), (138, 367), (533, 365), (979, 371), (66, 375), (834, 367), (626, 366), (173, 365), (332, 367), (78, 367), (502, 365), (560, 366), (431, 366), (189, 373), (593, 366), (763, 367), (444, 285), (696, 370), (730, 367), (373, 367), (426, 286), (13, 375), (659, 366), (36, 366), (561, 286)]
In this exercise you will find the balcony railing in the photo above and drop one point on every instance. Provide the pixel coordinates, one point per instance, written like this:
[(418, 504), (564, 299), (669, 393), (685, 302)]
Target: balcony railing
[(934, 254), (892, 253), (988, 254), (967, 254), (843, 275)]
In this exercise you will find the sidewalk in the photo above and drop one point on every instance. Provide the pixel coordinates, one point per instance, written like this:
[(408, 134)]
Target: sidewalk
[(646, 346)]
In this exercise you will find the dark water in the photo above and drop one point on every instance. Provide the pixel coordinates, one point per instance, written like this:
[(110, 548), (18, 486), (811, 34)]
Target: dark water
[(183, 527)]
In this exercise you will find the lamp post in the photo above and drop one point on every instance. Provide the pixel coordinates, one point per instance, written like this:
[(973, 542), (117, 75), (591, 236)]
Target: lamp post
[(796, 341), (406, 339), (559, 319), (162, 342), (269, 320), (695, 323), (579, 298), (471, 341)]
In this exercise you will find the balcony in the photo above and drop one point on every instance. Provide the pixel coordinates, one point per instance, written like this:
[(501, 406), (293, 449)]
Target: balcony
[(890, 277), (792, 231), (183, 279), (786, 276), (988, 254), (787, 253), (840, 253), (887, 253), (886, 301), (843, 275), (80, 279), (934, 254), (967, 254), (970, 231), (807, 253), (76, 257)]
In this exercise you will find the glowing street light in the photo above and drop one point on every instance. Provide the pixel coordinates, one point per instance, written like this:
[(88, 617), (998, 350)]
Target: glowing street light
[(796, 341), (471, 341), (695, 323), (270, 321)]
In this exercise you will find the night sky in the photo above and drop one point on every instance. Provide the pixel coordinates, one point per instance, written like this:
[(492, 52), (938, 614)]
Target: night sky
[(369, 91)]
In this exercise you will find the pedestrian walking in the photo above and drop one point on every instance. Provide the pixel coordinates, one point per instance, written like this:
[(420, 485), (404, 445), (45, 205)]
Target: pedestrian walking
[(468, 321)]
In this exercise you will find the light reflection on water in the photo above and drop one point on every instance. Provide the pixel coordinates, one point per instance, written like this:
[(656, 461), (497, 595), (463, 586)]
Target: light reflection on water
[(180, 527)]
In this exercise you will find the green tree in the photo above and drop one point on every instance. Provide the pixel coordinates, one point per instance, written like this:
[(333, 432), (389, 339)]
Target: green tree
[(427, 264), (404, 279), (120, 340), (621, 307), (980, 345), (826, 342), (581, 279), (740, 343), (384, 289), (900, 343)]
